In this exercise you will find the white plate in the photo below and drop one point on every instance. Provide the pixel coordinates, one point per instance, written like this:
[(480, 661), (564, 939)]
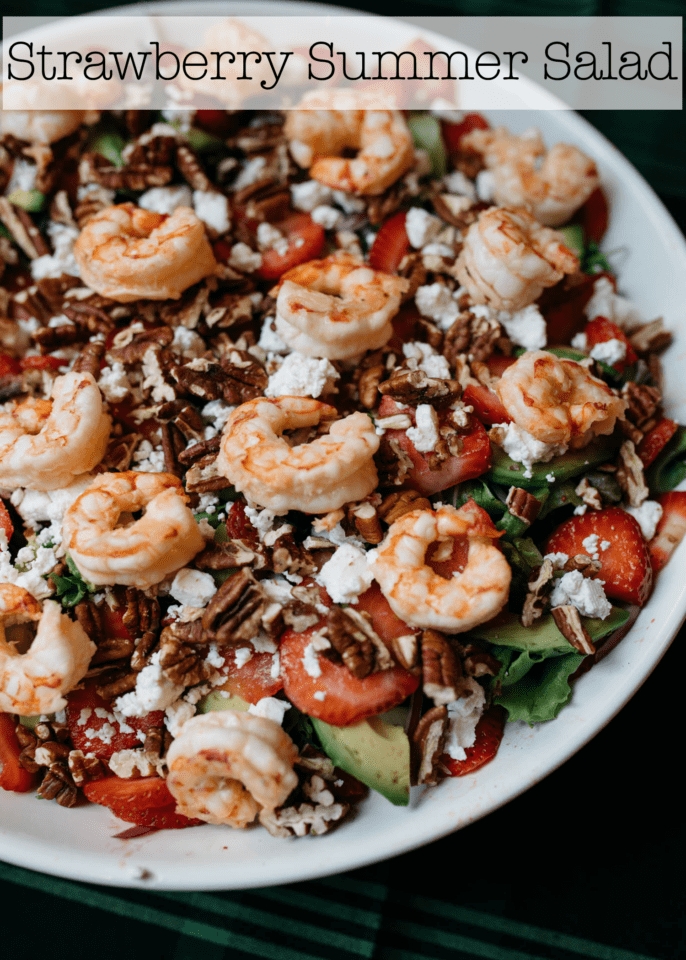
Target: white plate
[(79, 843)]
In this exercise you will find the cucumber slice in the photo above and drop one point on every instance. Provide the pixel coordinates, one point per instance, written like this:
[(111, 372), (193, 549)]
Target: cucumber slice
[(426, 133)]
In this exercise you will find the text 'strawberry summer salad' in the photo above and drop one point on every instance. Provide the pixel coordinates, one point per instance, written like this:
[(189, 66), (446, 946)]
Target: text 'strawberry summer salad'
[(327, 445)]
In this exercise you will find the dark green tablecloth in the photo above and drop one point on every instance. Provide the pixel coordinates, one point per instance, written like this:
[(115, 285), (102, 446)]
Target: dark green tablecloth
[(589, 863)]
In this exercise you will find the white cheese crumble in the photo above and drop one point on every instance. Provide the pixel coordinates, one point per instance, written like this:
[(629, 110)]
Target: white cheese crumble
[(326, 216), (149, 459), (592, 545), (609, 351), (310, 661), (262, 520), (521, 447), (583, 593), (346, 575), (422, 356), (648, 516), (242, 655), (269, 238), (188, 343), (129, 764), (153, 691), (421, 227), (193, 588), (114, 382), (464, 714), (176, 714), (166, 199), (425, 434), (526, 327), (244, 259), (270, 708), (270, 340), (606, 303), (558, 560), (435, 302), (212, 208), (62, 260), (310, 194), (457, 183), (485, 186), (301, 376), (251, 172), (579, 341)]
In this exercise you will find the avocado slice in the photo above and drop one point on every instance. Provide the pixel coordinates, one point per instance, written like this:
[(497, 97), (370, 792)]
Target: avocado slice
[(215, 701), (375, 751), (571, 464), (507, 631)]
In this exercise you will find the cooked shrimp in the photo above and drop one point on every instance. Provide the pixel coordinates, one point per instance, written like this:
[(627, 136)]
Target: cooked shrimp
[(45, 444), (164, 539), (336, 308), (558, 401), (552, 185), (225, 767), (508, 259), (126, 253), (26, 114), (34, 682), (381, 137), (423, 598), (315, 477)]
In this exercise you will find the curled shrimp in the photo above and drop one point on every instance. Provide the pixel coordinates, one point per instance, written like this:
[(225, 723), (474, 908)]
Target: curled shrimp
[(225, 767), (508, 259), (126, 253), (337, 307), (34, 682), (26, 115), (558, 401), (423, 598), (315, 477), (381, 137), (143, 553), (551, 185), (45, 444)]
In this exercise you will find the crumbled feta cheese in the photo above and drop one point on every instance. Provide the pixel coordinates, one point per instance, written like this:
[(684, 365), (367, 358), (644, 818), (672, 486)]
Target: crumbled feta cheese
[(606, 303), (485, 185), (326, 216), (188, 343), (176, 714), (398, 421), (437, 303), (166, 199), (311, 661), (422, 356), (526, 327), (194, 588), (609, 351), (348, 202), (648, 516), (218, 412), (550, 477), (521, 447), (425, 434), (251, 172), (346, 575), (591, 545), (319, 695), (212, 208), (421, 227), (242, 655), (153, 691), (310, 194), (585, 594), (269, 238), (129, 764), (270, 708), (275, 670), (244, 259), (23, 176), (114, 382), (149, 459), (262, 520), (62, 260), (579, 341), (457, 183), (463, 715), (154, 378), (301, 376), (270, 340), (558, 560), (438, 250)]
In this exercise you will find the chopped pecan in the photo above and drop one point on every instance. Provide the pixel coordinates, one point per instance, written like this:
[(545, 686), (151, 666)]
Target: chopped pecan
[(455, 210), (189, 632), (630, 475), (392, 463), (643, 402), (142, 620), (199, 450), (585, 565), (264, 200), (651, 337), (182, 663), (157, 742), (522, 504), (355, 641), (539, 585), (368, 385), (428, 742), (477, 663), (234, 614), (396, 505), (58, 785), (381, 207), (88, 361), (84, 768), (367, 522), (204, 476), (123, 681), (589, 494), (134, 349), (472, 336), (298, 821), (191, 168), (23, 230), (414, 386), (406, 651), (144, 169), (233, 553), (441, 668), (568, 622), (120, 451), (189, 422)]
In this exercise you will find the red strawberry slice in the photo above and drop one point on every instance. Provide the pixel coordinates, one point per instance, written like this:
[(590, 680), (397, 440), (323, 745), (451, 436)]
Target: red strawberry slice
[(489, 733), (94, 728), (12, 775), (601, 330), (670, 530), (253, 680), (453, 132), (655, 440), (390, 245), (146, 802), (6, 521), (385, 622), (625, 564), (238, 526), (488, 407), (346, 700)]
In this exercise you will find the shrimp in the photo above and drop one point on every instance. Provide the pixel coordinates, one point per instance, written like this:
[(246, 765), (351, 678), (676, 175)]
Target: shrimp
[(381, 137), (126, 253), (508, 259), (423, 598), (26, 117), (315, 477), (34, 682), (225, 767), (552, 185), (337, 307), (46, 444), (558, 401), (143, 553)]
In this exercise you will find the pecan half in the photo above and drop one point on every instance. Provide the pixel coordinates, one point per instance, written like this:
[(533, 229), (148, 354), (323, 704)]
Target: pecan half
[(522, 504), (540, 584), (441, 669), (630, 475), (355, 641), (414, 386), (234, 614), (182, 663), (428, 742), (396, 505), (568, 622), (651, 337)]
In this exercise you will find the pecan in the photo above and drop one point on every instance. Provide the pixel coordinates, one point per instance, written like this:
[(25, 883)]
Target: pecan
[(367, 523), (84, 768), (414, 386), (264, 200), (138, 174), (141, 341), (189, 632), (355, 641), (396, 505), (475, 337), (120, 451), (583, 564), (298, 821), (406, 651), (157, 742), (97, 198), (189, 422), (170, 444), (651, 337), (51, 338), (368, 385), (589, 494), (289, 556), (392, 463), (114, 687), (204, 476), (630, 475), (477, 663), (191, 169), (539, 585), (568, 622), (643, 402), (522, 504), (381, 207), (453, 209), (428, 742), (234, 614), (58, 785), (182, 663), (23, 230), (233, 553), (88, 361), (441, 668)]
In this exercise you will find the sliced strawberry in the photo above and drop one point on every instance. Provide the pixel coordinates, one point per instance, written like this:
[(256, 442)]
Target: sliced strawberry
[(238, 526), (390, 245), (45, 362), (594, 216), (306, 242), (670, 529), (563, 305), (6, 521), (473, 460), (489, 733), (9, 367), (625, 564), (253, 680), (385, 622), (146, 802), (453, 132), (600, 330), (653, 442), (13, 777), (347, 700), (94, 728), (488, 407)]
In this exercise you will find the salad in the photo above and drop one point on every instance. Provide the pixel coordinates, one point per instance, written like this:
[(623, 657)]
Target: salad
[(316, 469)]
